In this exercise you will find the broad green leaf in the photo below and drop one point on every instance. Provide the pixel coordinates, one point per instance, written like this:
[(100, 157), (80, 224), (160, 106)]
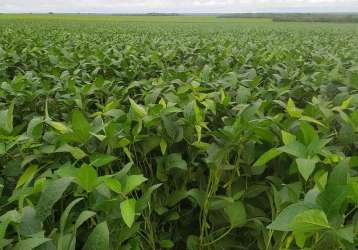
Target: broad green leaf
[(193, 242), (77, 153), (166, 244), (163, 146), (236, 213), (53, 59), (332, 199), (114, 185), (284, 219), (175, 161), (128, 209), (340, 174), (287, 138), (312, 120), (199, 196), (306, 167), (6, 119), (34, 129), (172, 129), (99, 238), (189, 112), (100, 160), (27, 175), (80, 126), (131, 182), (84, 215), (201, 145), (267, 156), (11, 216), (127, 233), (295, 148), (67, 170), (292, 110), (354, 118), (66, 213), (137, 109), (60, 127), (346, 103), (87, 177), (52, 192), (143, 202), (176, 196), (300, 238), (346, 233), (29, 244), (3, 228), (124, 171), (2, 148), (308, 132), (150, 144), (310, 221)]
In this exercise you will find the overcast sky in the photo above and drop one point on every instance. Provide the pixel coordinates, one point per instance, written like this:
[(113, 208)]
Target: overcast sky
[(194, 6)]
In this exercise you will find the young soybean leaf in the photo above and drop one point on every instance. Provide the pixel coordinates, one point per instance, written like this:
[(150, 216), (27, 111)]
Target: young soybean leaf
[(34, 129), (312, 120), (163, 146), (175, 161), (76, 152), (27, 175), (340, 174), (128, 208), (99, 238), (347, 233), (143, 202), (124, 171), (287, 138), (6, 119), (114, 185), (267, 156), (80, 126), (87, 177), (127, 233), (167, 244), (131, 182), (138, 110), (29, 244), (59, 126), (85, 215), (332, 199), (2, 148), (3, 227), (295, 148), (292, 110), (309, 133), (306, 167), (50, 195), (310, 221), (99, 160), (66, 213), (11, 216), (283, 221), (236, 213)]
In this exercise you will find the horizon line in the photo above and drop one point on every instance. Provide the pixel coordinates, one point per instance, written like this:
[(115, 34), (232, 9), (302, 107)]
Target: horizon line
[(185, 13)]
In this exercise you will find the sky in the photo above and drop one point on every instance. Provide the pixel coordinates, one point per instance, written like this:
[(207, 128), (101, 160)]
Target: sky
[(178, 6)]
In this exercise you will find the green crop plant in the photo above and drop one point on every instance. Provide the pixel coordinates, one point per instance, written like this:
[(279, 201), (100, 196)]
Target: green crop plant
[(188, 133)]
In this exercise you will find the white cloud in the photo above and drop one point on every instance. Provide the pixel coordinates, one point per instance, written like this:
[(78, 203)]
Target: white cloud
[(203, 6)]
